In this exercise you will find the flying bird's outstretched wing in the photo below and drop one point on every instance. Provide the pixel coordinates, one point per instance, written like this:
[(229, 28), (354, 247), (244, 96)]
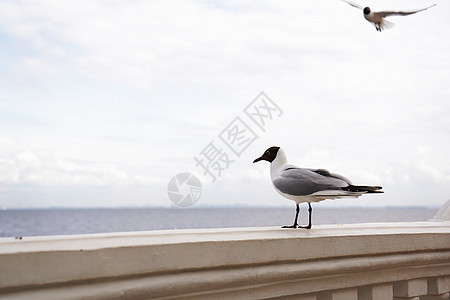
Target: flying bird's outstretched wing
[(399, 13), (353, 4)]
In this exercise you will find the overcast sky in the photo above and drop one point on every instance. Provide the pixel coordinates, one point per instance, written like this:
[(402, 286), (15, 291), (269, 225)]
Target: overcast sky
[(103, 102)]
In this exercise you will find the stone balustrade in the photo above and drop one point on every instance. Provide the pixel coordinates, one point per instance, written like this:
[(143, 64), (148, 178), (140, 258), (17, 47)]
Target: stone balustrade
[(364, 261)]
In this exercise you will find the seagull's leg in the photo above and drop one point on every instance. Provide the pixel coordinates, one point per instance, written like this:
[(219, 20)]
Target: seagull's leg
[(310, 217), (295, 225)]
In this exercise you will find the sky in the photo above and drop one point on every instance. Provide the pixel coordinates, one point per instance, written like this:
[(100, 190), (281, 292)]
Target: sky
[(102, 103)]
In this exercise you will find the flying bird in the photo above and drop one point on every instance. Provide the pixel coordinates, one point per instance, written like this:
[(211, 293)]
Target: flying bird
[(378, 17), (308, 185)]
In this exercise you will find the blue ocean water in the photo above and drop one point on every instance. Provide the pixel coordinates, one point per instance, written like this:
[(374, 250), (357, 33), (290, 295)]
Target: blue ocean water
[(39, 222)]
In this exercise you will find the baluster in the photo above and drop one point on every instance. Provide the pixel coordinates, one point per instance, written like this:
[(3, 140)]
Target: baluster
[(410, 289)]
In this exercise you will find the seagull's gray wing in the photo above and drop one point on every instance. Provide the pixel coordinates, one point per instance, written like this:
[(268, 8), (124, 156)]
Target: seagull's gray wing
[(399, 13), (302, 182), (353, 4), (328, 174)]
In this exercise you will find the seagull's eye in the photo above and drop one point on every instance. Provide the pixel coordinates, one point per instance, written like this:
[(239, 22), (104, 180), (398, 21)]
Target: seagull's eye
[(267, 153)]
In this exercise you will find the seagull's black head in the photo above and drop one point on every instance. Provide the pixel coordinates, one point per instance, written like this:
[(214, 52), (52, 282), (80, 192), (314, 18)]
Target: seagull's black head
[(366, 10), (269, 155)]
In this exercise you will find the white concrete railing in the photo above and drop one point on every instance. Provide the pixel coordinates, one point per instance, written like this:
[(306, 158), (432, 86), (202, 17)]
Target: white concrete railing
[(365, 261)]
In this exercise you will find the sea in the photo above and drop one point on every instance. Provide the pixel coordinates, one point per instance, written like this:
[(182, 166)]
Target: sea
[(44, 222)]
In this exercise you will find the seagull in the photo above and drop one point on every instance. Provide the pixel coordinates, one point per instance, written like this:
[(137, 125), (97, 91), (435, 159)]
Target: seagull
[(377, 17), (308, 185)]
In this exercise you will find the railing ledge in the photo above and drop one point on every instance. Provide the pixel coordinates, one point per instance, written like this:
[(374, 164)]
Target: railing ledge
[(401, 260)]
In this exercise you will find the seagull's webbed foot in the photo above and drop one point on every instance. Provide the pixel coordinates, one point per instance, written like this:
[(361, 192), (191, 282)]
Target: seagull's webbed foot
[(305, 227), (291, 226)]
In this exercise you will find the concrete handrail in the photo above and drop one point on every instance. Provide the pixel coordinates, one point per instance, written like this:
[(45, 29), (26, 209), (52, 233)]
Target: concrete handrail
[(358, 261)]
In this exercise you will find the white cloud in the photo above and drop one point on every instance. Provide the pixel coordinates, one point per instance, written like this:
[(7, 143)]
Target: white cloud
[(41, 168), (38, 66), (122, 93)]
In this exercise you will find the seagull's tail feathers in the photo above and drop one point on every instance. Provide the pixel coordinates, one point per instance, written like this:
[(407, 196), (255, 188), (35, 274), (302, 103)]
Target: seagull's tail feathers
[(363, 189), (384, 24)]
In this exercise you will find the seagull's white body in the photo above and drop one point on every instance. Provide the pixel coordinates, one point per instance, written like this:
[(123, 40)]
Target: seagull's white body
[(378, 21), (377, 18)]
